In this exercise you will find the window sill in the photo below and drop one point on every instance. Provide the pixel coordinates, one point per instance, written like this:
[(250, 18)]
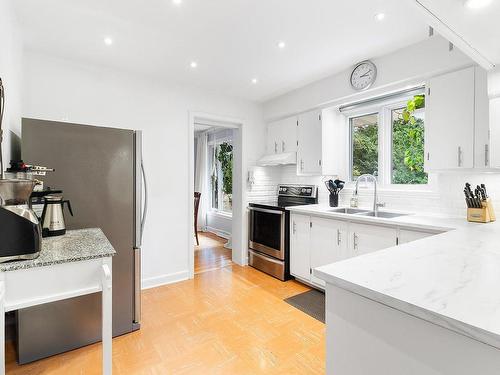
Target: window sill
[(223, 214)]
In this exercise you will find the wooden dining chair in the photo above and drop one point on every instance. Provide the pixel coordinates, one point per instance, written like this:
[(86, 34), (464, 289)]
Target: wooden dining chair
[(197, 197)]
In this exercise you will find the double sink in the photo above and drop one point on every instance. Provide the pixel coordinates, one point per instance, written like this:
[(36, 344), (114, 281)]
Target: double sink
[(359, 212)]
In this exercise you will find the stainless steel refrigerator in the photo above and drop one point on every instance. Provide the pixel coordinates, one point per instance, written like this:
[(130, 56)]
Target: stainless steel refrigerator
[(100, 171)]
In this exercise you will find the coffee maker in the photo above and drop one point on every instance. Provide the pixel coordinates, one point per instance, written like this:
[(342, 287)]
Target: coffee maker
[(20, 229)]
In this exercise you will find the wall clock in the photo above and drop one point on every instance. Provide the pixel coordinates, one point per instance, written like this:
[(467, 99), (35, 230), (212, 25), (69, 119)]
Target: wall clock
[(363, 75)]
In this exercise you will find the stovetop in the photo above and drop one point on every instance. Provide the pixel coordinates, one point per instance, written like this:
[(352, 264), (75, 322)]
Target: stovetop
[(275, 205), (288, 196)]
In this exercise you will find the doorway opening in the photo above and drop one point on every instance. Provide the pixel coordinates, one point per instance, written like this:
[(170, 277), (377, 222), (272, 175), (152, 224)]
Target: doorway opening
[(216, 193)]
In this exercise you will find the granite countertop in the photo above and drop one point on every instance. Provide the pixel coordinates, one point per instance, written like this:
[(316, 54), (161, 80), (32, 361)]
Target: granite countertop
[(74, 246), (450, 279)]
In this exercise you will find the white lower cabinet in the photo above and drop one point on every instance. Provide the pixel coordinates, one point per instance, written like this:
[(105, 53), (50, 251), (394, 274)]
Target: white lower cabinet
[(364, 239), (300, 263), (328, 239), (316, 241)]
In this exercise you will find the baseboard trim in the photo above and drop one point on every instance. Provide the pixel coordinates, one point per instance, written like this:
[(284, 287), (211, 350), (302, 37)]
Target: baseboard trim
[(153, 282), (219, 233)]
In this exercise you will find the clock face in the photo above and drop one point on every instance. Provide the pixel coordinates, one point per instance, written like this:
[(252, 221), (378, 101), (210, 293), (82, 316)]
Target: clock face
[(363, 75)]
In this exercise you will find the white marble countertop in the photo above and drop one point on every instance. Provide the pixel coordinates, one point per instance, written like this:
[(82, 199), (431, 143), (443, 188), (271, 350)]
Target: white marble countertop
[(434, 223), (451, 279)]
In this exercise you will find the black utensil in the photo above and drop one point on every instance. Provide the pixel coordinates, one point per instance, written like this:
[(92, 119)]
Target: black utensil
[(327, 186), (333, 186)]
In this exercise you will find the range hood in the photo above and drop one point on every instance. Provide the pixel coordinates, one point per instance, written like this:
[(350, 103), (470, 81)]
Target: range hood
[(283, 158)]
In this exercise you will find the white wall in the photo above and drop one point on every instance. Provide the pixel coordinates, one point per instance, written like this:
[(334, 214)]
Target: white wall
[(219, 224), (405, 66), (58, 89), (11, 74)]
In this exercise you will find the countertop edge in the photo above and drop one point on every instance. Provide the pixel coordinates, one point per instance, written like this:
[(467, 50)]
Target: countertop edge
[(374, 221), (48, 264), (459, 327)]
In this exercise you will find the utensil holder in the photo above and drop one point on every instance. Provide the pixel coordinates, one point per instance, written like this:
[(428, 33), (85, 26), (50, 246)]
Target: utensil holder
[(485, 214), (334, 200)]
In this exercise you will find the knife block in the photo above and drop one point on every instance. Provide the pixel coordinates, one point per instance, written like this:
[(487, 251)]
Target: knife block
[(491, 210), (485, 214)]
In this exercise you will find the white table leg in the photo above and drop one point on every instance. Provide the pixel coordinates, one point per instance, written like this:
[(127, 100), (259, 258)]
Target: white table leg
[(107, 326), (2, 327)]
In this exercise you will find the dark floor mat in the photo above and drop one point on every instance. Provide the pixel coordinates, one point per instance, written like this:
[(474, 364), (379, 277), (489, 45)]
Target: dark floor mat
[(311, 302)]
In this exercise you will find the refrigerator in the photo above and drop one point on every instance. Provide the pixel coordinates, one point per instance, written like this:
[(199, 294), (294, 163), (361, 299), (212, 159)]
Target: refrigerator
[(101, 173)]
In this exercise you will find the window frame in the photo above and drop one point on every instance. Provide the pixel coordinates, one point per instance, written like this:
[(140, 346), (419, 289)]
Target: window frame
[(384, 124), (212, 145)]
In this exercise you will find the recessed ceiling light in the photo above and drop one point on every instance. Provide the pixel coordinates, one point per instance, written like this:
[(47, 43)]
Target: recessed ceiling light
[(281, 45), (193, 64), (255, 81), (380, 16), (177, 2), (476, 4), (108, 41)]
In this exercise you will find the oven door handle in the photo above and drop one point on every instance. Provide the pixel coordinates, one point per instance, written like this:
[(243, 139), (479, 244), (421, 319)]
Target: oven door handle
[(267, 211)]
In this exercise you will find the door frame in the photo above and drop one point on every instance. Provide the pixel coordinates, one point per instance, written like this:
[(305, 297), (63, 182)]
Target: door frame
[(237, 222)]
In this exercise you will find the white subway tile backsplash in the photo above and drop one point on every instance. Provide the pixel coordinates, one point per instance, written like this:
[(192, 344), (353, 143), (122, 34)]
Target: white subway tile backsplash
[(446, 197)]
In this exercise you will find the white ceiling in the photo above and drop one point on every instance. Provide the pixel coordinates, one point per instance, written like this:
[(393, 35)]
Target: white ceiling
[(479, 28), (232, 41)]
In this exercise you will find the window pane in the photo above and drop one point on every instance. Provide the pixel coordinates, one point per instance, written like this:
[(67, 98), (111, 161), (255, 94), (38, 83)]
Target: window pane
[(408, 148), (364, 131), (214, 181), (225, 160)]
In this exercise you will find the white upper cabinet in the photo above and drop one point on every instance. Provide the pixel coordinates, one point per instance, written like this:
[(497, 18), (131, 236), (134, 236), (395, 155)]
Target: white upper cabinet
[(495, 132), (457, 121), (449, 113), (282, 136), (272, 138), (309, 149), (335, 142)]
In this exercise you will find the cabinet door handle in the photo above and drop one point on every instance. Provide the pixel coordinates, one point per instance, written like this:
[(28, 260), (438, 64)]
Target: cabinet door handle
[(486, 155), (459, 156), (283, 146), (301, 165), (339, 237), (275, 147), (355, 241), (294, 228)]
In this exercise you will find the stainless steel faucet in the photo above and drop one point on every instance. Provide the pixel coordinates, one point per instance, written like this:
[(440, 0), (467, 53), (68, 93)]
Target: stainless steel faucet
[(376, 204)]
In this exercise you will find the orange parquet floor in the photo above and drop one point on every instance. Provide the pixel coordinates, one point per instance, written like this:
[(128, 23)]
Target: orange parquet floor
[(228, 320)]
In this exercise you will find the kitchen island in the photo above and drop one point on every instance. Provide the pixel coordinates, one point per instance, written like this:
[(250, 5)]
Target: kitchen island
[(426, 307), (78, 263)]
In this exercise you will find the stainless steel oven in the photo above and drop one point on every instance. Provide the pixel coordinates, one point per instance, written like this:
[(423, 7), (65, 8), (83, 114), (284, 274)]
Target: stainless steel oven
[(269, 229)]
